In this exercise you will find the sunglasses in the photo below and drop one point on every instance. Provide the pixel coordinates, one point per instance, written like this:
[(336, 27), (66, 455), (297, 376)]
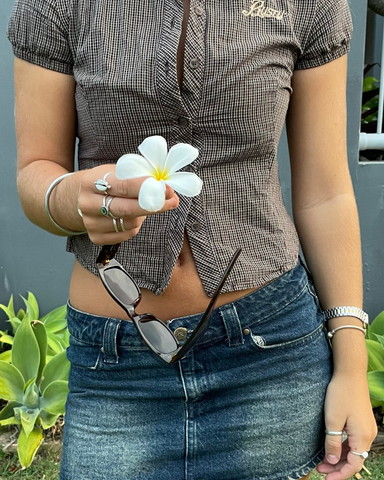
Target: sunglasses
[(154, 332)]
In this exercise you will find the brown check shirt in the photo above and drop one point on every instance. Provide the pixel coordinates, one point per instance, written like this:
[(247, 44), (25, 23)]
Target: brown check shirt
[(239, 60)]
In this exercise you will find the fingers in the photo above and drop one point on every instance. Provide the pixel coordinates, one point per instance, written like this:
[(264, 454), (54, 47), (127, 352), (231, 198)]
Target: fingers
[(102, 196)]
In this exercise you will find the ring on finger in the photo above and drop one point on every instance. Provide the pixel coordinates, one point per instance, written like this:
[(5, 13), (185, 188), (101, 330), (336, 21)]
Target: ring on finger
[(122, 224), (363, 455), (102, 185), (332, 432), (105, 207), (115, 225)]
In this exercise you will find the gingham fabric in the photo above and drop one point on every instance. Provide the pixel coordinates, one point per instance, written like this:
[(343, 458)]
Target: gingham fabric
[(239, 60)]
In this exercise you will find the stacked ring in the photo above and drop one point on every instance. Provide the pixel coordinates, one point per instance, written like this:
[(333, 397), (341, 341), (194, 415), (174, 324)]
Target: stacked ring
[(105, 207), (115, 225)]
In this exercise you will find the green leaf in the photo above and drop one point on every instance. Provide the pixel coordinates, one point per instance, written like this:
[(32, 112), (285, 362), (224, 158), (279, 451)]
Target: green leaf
[(38, 329), (33, 302), (15, 322), (31, 394), (6, 356), (8, 339), (56, 343), (54, 397), (380, 339), (47, 419), (57, 314), (56, 369), (369, 84), (7, 411), (11, 383), (20, 314), (10, 421), (8, 311), (56, 325), (28, 417), (10, 305), (376, 385), (377, 326), (375, 355), (28, 445), (25, 351), (30, 310)]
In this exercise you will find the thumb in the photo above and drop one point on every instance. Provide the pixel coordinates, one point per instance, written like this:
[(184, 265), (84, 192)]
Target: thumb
[(333, 445)]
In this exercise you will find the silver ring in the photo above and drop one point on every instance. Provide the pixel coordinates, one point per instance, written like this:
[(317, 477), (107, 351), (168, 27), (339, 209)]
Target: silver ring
[(105, 207), (122, 224), (330, 432), (363, 455), (115, 225), (102, 185)]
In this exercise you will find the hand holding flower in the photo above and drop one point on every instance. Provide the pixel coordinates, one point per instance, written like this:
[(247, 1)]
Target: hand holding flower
[(161, 168)]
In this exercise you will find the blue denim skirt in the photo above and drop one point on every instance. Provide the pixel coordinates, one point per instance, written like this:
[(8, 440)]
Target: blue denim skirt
[(245, 404)]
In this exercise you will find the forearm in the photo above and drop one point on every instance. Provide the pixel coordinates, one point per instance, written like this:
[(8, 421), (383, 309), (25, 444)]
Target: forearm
[(330, 238), (33, 182)]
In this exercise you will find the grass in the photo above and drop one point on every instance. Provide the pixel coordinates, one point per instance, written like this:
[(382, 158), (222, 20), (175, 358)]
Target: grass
[(46, 466)]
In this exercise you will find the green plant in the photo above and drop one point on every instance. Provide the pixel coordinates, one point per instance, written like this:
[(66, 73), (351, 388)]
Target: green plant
[(370, 102), (36, 389), (54, 322), (375, 348)]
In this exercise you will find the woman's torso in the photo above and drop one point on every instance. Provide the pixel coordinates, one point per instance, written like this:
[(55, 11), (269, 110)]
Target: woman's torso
[(184, 295)]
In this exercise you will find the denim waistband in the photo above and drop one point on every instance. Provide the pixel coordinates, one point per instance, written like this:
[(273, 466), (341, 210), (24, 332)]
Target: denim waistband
[(227, 321)]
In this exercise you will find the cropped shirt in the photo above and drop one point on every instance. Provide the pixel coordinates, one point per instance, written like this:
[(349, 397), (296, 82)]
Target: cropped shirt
[(239, 59)]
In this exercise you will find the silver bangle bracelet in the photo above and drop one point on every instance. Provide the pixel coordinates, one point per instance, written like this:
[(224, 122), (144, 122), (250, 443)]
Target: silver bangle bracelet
[(332, 332), (46, 205), (347, 312)]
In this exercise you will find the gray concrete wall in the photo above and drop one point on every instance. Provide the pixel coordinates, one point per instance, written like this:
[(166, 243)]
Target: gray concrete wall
[(31, 259)]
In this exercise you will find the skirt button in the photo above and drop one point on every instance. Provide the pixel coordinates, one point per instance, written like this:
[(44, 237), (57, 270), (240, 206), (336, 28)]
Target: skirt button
[(181, 333)]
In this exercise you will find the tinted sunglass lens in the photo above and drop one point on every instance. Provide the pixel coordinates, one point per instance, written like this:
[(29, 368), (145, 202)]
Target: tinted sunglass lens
[(157, 335), (121, 285)]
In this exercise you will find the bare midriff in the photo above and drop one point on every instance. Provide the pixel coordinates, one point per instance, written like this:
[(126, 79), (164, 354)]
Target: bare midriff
[(183, 296)]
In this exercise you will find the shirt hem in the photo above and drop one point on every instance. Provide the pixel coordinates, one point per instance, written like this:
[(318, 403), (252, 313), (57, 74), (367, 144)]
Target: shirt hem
[(323, 58)]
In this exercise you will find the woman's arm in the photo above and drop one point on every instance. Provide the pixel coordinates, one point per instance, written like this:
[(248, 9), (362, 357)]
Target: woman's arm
[(46, 132), (326, 219)]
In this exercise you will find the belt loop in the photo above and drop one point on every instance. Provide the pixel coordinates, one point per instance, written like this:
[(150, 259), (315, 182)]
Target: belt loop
[(109, 349), (232, 325)]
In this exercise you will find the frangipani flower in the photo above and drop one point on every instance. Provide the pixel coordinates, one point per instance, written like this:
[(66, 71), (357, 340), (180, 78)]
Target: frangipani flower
[(161, 167)]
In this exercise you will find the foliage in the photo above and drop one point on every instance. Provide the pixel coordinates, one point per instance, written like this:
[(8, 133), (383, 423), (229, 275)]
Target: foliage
[(34, 380), (54, 322), (370, 102), (375, 348)]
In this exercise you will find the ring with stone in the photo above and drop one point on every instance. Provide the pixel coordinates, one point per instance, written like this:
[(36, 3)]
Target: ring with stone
[(105, 207), (102, 185), (363, 455), (330, 432)]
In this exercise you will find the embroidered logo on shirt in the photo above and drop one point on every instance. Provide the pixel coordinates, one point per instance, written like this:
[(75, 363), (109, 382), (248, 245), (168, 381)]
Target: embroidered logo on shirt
[(258, 9)]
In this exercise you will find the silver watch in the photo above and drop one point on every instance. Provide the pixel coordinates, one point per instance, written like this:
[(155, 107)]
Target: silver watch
[(347, 312)]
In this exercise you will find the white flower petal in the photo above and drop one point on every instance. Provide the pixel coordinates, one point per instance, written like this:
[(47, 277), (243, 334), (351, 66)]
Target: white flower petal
[(132, 166), (154, 150), (186, 183), (152, 195), (180, 155)]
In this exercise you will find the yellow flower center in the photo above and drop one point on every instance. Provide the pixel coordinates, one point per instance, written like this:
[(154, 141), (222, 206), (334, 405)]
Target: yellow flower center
[(160, 174)]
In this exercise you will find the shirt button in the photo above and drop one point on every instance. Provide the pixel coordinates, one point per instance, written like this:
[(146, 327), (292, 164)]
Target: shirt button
[(199, 11), (196, 227), (183, 122), (181, 333), (194, 63)]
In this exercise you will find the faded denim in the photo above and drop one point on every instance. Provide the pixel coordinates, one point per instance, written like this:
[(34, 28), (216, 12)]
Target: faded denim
[(245, 404)]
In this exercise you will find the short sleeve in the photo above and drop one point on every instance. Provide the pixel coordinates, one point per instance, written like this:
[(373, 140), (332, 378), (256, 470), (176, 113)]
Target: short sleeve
[(38, 32), (329, 35)]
